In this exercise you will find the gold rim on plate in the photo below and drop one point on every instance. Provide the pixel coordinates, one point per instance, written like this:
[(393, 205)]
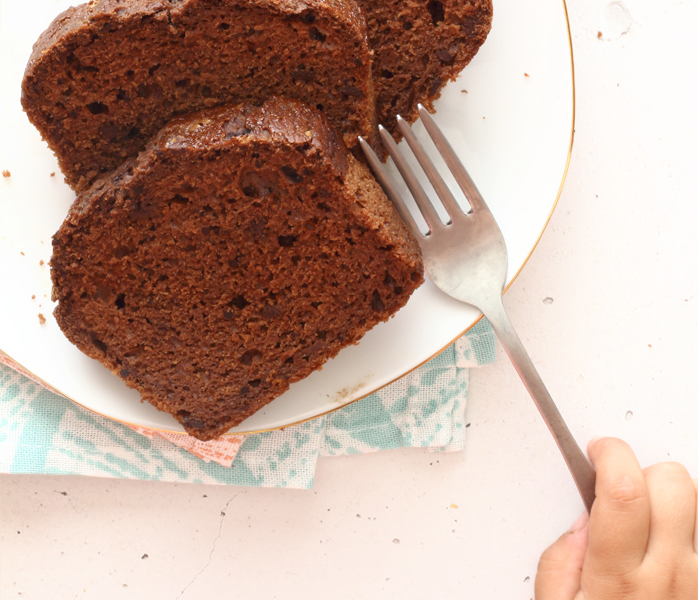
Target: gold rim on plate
[(545, 225)]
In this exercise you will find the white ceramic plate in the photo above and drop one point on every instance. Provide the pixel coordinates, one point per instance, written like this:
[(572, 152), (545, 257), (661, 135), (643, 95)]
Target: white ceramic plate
[(513, 130)]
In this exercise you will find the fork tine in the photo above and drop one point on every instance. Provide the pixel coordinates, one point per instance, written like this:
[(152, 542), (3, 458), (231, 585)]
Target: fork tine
[(389, 189), (425, 206), (450, 204), (452, 161)]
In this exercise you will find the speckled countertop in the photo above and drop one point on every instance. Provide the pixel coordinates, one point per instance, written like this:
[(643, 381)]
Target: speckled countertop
[(608, 308)]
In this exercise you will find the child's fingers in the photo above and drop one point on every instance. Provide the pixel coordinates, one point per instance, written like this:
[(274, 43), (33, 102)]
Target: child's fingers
[(560, 566), (620, 518), (672, 495)]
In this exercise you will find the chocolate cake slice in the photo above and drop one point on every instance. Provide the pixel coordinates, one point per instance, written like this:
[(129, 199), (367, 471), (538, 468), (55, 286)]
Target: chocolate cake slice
[(239, 252), (419, 46), (107, 75)]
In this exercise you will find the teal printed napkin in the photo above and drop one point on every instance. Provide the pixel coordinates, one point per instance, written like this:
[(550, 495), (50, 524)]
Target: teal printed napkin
[(41, 432)]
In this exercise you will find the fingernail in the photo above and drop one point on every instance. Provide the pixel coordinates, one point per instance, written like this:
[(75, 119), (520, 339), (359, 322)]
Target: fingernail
[(591, 442), (579, 524)]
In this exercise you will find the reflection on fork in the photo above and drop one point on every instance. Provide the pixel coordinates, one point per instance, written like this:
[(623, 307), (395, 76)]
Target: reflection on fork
[(467, 259)]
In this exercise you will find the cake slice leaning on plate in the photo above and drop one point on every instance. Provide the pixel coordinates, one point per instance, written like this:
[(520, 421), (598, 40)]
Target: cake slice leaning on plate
[(420, 45), (106, 76), (239, 252)]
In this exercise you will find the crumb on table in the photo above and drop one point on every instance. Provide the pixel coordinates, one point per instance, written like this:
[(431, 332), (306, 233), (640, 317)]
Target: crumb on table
[(526, 75), (464, 91), (6, 174), (53, 174), (42, 319), (41, 263), (33, 296)]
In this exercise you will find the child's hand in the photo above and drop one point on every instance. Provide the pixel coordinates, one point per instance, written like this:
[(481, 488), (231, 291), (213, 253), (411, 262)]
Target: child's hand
[(640, 542)]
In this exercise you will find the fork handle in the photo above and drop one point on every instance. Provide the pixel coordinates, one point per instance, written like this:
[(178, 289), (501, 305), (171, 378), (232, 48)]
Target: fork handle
[(582, 472)]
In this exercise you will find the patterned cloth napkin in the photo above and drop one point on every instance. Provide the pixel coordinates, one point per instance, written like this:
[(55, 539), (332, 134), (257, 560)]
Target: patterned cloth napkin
[(41, 432)]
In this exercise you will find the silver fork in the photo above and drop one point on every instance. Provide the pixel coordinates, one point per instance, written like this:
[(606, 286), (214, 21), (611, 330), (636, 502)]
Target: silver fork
[(467, 259)]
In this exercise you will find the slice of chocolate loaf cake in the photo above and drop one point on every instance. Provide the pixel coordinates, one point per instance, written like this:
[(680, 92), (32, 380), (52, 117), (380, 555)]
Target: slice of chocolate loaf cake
[(239, 252), (107, 75), (419, 46)]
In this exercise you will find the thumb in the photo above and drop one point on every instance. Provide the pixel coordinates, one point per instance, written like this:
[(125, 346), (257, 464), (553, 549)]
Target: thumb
[(560, 567)]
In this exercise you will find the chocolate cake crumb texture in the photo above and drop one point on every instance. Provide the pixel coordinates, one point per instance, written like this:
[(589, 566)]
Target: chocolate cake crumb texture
[(106, 76), (233, 257), (420, 45)]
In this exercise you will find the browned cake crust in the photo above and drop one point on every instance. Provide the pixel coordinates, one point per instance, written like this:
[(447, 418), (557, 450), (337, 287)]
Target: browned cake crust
[(240, 251), (419, 46), (107, 75)]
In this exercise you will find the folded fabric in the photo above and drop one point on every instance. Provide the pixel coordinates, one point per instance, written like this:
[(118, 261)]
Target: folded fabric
[(41, 432)]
